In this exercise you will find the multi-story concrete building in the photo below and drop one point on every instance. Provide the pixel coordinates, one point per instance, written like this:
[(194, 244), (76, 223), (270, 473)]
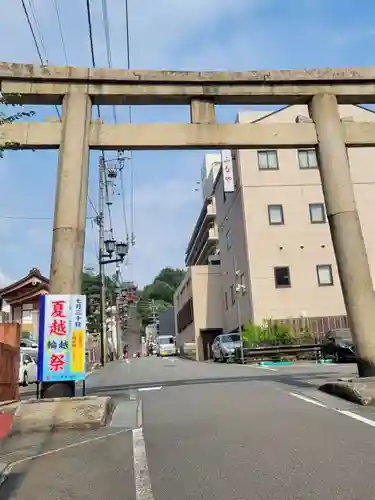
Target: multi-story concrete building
[(274, 232)]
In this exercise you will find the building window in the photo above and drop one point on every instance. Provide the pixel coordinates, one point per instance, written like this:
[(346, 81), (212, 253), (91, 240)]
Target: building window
[(307, 158), (317, 213), (228, 238), (232, 295), (267, 160), (275, 215), (324, 274), (226, 300), (282, 277)]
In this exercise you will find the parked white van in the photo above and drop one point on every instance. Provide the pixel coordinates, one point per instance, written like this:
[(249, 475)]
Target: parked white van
[(166, 345)]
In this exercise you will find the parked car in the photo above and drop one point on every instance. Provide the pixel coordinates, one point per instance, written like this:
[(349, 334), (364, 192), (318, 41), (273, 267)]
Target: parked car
[(31, 344), (338, 344), (224, 346), (28, 372)]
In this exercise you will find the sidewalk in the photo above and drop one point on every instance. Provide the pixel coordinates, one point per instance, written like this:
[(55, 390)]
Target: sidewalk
[(72, 465)]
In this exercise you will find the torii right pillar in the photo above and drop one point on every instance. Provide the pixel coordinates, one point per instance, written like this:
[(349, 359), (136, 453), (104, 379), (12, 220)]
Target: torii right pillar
[(346, 232)]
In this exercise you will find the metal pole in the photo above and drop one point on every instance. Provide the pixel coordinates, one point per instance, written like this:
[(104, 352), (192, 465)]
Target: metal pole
[(238, 289), (118, 322), (103, 326), (240, 326)]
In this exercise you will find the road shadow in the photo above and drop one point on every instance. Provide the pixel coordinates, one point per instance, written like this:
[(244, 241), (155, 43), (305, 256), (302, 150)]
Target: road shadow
[(299, 380)]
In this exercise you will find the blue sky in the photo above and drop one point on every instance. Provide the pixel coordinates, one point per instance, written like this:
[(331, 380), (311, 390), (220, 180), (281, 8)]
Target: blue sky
[(165, 34)]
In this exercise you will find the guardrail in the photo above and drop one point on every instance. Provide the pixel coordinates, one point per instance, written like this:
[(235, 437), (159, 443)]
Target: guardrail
[(272, 352)]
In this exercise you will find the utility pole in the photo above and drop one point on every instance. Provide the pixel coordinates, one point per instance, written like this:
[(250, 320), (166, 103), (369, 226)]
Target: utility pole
[(103, 322), (118, 305), (153, 311)]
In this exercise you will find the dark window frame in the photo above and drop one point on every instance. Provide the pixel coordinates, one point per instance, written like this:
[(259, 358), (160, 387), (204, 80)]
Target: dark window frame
[(278, 268), (266, 151), (315, 205), (279, 206), (329, 267), (309, 167)]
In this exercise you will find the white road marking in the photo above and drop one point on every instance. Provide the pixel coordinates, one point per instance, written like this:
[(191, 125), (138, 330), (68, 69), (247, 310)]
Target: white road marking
[(357, 417), (308, 400), (142, 479), (260, 367), (267, 368), (348, 413), (63, 448), (139, 413), (151, 388)]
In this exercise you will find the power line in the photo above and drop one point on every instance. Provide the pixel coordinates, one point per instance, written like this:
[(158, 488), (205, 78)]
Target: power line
[(128, 61), (61, 31), (35, 39), (32, 31), (38, 28), (26, 217)]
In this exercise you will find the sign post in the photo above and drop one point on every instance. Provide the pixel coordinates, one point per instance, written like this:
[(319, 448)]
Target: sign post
[(62, 344)]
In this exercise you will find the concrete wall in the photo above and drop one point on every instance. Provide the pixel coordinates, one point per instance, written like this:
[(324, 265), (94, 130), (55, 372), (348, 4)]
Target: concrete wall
[(259, 247), (233, 245), (203, 285)]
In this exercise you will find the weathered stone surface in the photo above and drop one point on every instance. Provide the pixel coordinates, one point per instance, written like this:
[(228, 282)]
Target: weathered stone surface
[(61, 413), (359, 391), (33, 72)]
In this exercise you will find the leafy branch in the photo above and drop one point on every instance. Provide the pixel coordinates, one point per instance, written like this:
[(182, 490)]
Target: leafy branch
[(4, 119)]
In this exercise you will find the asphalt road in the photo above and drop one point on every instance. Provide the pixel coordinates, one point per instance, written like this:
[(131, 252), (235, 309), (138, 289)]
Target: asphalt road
[(188, 431)]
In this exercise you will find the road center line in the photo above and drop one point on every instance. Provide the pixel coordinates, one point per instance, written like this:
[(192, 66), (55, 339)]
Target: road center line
[(308, 400), (357, 417), (142, 479)]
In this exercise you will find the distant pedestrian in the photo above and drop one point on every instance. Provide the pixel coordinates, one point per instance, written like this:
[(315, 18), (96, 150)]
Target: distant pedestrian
[(126, 351)]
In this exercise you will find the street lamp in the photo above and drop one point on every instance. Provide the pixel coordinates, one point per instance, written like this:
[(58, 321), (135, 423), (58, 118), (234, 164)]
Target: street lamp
[(121, 249), (110, 246)]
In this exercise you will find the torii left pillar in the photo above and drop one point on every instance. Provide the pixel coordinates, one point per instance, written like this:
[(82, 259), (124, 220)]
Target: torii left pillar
[(70, 208)]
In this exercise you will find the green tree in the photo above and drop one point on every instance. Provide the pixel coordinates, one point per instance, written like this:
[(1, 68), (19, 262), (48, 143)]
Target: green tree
[(10, 118), (91, 288), (159, 293)]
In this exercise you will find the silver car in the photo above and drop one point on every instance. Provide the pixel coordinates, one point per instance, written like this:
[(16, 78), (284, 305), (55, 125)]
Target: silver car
[(224, 346)]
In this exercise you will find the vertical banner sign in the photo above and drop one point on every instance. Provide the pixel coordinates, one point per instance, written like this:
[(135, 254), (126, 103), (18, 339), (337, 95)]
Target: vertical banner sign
[(62, 338), (227, 163)]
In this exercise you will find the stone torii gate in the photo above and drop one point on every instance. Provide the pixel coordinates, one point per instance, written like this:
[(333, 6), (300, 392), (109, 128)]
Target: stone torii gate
[(322, 89)]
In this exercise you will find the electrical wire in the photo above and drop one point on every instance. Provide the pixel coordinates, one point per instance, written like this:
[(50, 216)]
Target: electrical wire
[(93, 61), (32, 31), (38, 28), (57, 10), (128, 61), (22, 217), (36, 41)]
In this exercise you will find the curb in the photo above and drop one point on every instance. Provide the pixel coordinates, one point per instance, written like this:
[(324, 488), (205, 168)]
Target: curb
[(90, 412), (358, 392), (3, 472), (273, 363)]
